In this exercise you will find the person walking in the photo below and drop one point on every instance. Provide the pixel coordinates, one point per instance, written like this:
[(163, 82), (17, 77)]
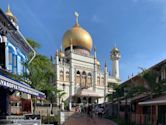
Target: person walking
[(100, 112)]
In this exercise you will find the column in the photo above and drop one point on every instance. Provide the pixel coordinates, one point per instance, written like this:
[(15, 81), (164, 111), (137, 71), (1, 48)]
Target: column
[(71, 75), (57, 73), (4, 40)]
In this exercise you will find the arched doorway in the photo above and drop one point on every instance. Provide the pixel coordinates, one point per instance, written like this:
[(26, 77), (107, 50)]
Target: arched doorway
[(84, 100), (90, 100), (78, 100)]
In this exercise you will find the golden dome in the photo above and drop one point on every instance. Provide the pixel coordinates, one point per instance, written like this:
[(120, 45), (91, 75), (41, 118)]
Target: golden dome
[(78, 36), (61, 54)]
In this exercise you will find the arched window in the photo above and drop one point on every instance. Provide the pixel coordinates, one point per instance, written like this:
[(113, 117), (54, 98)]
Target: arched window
[(83, 81), (102, 81), (78, 78), (12, 60), (61, 75), (89, 80), (98, 80), (67, 76)]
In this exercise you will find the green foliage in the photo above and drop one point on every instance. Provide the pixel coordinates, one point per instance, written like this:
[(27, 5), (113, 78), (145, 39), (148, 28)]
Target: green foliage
[(117, 91), (50, 119), (61, 94), (135, 90), (33, 43), (40, 72), (154, 86), (113, 85)]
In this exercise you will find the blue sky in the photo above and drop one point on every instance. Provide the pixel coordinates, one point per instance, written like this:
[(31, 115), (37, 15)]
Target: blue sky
[(138, 27)]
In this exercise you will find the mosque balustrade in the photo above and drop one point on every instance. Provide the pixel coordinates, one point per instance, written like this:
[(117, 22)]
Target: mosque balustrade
[(110, 77), (64, 64)]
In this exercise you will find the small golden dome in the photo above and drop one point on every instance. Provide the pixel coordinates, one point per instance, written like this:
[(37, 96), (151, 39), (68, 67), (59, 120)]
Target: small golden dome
[(97, 62), (9, 13), (78, 36), (61, 54)]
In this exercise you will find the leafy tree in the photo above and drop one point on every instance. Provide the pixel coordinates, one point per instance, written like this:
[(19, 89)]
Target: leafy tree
[(152, 79), (41, 72), (117, 93), (156, 86), (33, 43)]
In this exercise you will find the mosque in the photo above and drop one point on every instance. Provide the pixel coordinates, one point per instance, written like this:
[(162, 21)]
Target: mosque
[(78, 71)]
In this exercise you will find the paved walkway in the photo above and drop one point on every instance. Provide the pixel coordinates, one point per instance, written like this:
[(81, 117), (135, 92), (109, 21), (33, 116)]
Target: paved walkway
[(78, 119)]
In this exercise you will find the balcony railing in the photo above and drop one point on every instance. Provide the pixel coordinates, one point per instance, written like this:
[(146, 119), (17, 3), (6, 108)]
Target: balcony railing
[(8, 74)]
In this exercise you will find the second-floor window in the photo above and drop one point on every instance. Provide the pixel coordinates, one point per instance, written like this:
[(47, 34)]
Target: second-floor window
[(67, 76), (61, 76), (14, 64), (98, 81), (12, 61), (78, 78), (10, 58)]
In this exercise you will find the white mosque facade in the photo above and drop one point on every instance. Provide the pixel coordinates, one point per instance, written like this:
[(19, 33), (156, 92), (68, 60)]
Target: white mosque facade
[(79, 73)]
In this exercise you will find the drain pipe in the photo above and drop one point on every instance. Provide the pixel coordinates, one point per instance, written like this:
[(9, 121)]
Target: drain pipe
[(34, 52)]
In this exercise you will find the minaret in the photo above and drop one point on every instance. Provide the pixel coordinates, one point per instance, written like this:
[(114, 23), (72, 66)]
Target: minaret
[(95, 71), (115, 56)]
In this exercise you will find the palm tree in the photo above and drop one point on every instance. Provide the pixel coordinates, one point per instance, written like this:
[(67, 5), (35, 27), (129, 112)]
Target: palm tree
[(60, 95), (51, 93)]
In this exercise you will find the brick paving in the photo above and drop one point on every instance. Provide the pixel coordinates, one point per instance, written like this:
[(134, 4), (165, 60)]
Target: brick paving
[(78, 119)]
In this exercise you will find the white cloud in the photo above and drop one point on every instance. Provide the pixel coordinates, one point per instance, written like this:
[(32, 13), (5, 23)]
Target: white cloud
[(96, 19)]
